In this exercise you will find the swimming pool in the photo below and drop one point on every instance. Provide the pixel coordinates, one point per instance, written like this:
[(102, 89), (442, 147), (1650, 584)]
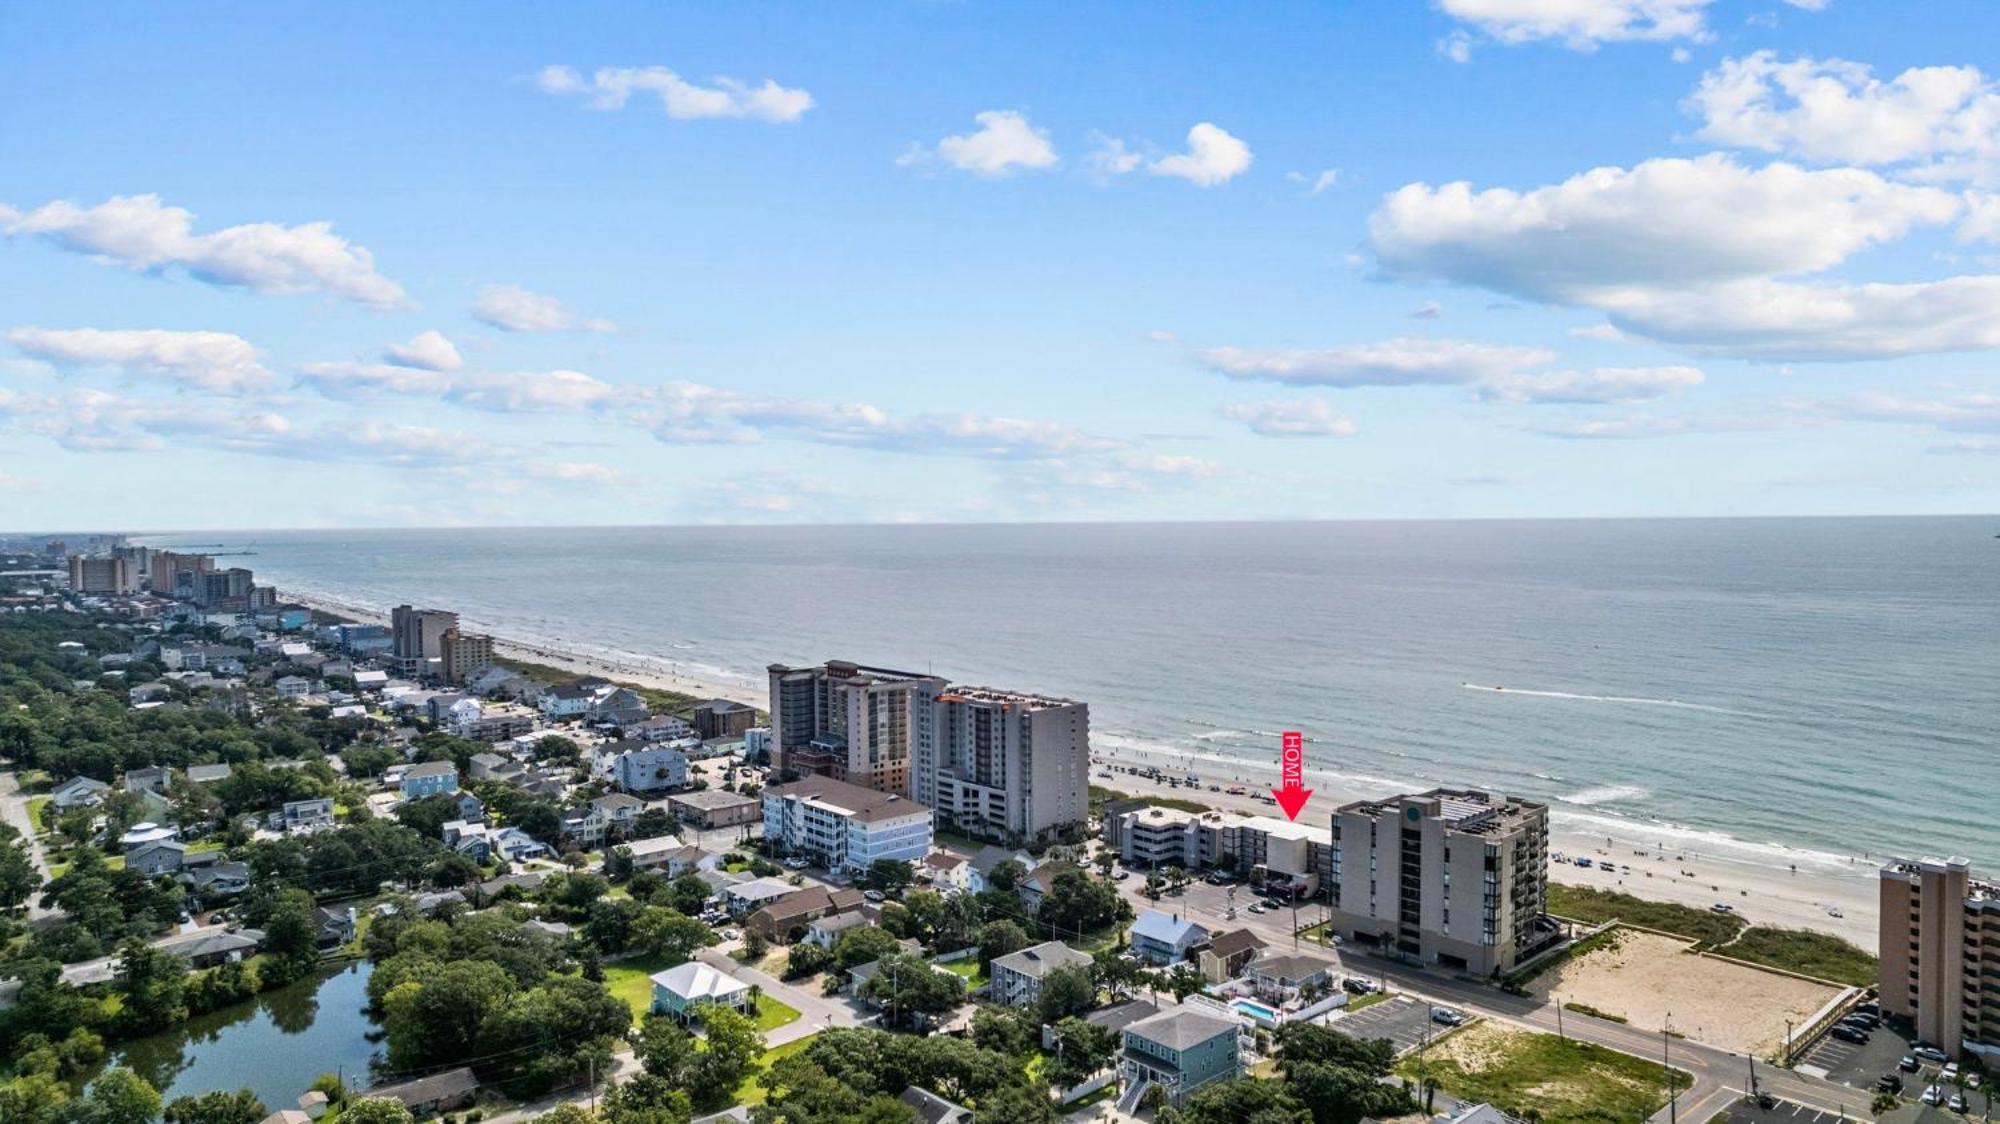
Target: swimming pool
[(1256, 1010)]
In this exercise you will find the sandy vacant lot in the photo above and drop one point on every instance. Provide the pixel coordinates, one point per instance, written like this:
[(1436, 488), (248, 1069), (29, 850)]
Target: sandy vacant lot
[(1647, 977)]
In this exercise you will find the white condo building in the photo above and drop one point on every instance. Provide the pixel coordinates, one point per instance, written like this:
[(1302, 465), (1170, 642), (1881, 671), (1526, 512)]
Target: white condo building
[(844, 826)]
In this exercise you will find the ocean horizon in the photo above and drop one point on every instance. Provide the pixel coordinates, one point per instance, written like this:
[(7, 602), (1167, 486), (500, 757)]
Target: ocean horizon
[(1812, 689)]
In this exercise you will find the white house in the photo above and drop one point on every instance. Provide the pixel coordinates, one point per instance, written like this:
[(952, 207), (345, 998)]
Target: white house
[(680, 989), (292, 687), (649, 768)]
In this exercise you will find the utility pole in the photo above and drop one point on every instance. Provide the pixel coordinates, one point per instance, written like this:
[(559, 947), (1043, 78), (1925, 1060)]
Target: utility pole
[(593, 1084), (1559, 1019), (1667, 1070)]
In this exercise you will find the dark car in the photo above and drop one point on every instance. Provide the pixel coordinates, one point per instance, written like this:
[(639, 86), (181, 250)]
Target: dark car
[(1889, 1083), (1355, 985), (1850, 1033)]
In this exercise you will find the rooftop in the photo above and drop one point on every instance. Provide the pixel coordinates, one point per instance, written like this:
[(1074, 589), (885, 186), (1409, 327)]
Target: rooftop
[(695, 980), (1181, 1028), (864, 805), (1467, 810), (1036, 961), (710, 799)]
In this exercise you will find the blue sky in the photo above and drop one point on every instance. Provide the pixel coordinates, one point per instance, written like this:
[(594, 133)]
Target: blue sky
[(640, 263)]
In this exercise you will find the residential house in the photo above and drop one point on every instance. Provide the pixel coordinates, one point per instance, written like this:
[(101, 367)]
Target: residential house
[(1227, 954), (79, 792), (1179, 1050), (471, 808), (468, 839), (643, 767), (335, 926), (1281, 977), (161, 857), (1165, 938), (948, 872), (292, 687), (483, 765), (208, 774), (742, 897), (660, 728), (371, 680), (145, 834), (215, 879), (784, 920), (608, 817), (153, 779), (989, 857), (680, 989), (1017, 977), (825, 931), (713, 807), (428, 1096), (303, 815), (429, 778), (1036, 886), (620, 706), (206, 948), (571, 700)]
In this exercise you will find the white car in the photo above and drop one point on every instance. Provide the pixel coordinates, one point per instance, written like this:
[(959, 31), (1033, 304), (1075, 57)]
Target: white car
[(1933, 1095)]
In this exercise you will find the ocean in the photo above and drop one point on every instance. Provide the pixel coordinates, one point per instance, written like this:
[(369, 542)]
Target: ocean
[(1794, 690)]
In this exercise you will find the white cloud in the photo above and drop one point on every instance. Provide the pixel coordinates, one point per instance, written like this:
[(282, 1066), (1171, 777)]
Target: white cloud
[(140, 233), (531, 391), (1661, 223), (612, 87), (1961, 413), (1943, 118), (514, 309), (1675, 425), (429, 351), (1982, 218), (1581, 24), (1294, 417), (1429, 310), (1326, 179), (1109, 157), (351, 380), (1168, 464), (1004, 141), (1601, 385), (1696, 252), (1394, 362), (1213, 157), (576, 472), (1602, 333), (1457, 47), (216, 362)]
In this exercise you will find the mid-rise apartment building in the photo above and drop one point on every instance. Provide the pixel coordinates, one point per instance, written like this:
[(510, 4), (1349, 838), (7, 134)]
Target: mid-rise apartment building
[(1004, 766), (1297, 857), (849, 722), (463, 656), (843, 826), (1457, 878), (996, 765), (417, 636), (1940, 953), (112, 574)]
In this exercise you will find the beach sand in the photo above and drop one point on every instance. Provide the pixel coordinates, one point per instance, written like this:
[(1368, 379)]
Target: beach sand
[(1688, 872)]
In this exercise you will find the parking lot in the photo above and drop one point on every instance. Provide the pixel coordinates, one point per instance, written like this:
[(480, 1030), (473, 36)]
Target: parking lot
[(1401, 1019), (1860, 1065), (1785, 1112)]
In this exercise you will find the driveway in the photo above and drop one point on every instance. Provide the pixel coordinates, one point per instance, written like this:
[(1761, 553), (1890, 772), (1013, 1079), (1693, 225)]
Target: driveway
[(14, 810), (816, 1012)]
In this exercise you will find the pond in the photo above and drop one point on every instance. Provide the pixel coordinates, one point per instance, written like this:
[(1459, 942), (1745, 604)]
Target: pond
[(274, 1044)]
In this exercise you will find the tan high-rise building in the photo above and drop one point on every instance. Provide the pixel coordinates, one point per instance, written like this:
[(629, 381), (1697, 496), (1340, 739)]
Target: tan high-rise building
[(1940, 952), (169, 572), (1456, 878), (114, 575), (464, 655), (852, 723), (1004, 766), (418, 637)]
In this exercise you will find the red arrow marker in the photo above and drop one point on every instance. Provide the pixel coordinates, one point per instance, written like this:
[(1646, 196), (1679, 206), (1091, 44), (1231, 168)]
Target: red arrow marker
[(1293, 795)]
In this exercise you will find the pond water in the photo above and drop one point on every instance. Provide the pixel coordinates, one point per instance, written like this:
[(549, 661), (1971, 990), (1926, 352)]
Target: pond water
[(274, 1044)]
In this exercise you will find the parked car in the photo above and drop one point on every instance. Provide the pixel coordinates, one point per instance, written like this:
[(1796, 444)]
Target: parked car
[(1909, 1064), (1848, 1033), (1722, 907), (1445, 1016), (1259, 907), (1889, 1083), (1930, 1054), (1355, 985), (1933, 1095), (1957, 1103)]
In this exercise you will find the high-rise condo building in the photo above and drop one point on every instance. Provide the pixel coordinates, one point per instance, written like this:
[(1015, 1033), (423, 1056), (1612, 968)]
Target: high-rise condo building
[(848, 722), (464, 655), (1940, 952), (1456, 878), (172, 574), (417, 636), (1004, 766), (113, 574)]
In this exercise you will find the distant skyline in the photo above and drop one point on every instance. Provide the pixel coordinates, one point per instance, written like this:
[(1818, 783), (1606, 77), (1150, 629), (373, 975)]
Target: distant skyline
[(962, 262)]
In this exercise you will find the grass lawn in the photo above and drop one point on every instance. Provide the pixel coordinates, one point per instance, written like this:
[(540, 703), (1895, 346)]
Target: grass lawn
[(1567, 1082), (967, 970), (35, 806), (1363, 1002), (1100, 796), (751, 1093), (1798, 950), (631, 980), (1584, 903), (772, 1014)]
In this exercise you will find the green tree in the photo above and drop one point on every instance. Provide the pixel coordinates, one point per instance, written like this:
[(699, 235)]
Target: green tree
[(1245, 1102), (291, 937), (891, 876), (18, 877), (806, 959), (218, 1107), (997, 939), (439, 1020), (908, 986), (862, 944), (659, 931), (1005, 1030), (121, 1097), (731, 1045), (1077, 903), (1081, 1052), (375, 1110), (1066, 991), (1184, 980), (154, 986)]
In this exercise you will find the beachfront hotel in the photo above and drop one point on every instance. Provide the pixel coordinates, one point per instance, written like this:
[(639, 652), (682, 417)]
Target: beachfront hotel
[(995, 765), (417, 637), (1004, 766), (1940, 953), (1270, 852), (1452, 877), (848, 722), (843, 826)]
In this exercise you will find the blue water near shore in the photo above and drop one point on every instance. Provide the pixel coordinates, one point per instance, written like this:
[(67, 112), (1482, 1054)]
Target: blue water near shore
[(1825, 685)]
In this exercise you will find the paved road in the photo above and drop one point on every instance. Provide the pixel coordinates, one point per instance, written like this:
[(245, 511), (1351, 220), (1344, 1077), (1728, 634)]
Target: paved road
[(1720, 1076), (14, 809)]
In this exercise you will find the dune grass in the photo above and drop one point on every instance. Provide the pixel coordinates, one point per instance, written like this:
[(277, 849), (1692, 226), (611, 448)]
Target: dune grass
[(1591, 905), (1566, 1082), (1820, 955)]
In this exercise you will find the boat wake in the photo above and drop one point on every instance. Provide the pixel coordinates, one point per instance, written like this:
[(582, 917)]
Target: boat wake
[(1629, 700)]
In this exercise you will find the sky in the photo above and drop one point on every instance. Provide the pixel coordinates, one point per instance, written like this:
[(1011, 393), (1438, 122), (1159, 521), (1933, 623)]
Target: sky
[(602, 263)]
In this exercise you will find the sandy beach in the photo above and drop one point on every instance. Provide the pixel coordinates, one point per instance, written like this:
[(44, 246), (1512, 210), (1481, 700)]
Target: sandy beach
[(1820, 893)]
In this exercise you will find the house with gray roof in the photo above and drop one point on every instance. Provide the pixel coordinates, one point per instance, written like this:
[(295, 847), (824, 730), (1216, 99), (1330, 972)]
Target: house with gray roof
[(1017, 977), (1180, 1050), (1165, 938)]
